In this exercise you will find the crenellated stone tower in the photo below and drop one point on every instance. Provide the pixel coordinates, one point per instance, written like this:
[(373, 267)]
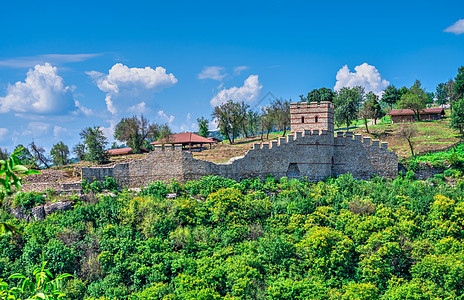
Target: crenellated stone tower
[(304, 116)]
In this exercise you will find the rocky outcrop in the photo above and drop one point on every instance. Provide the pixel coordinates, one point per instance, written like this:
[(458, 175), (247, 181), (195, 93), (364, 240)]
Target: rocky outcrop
[(41, 211), (57, 206)]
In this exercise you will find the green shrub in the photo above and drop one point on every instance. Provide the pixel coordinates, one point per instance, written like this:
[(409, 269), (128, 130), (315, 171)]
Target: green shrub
[(85, 185), (410, 175), (96, 186), (439, 177), (28, 200), (110, 184), (156, 189)]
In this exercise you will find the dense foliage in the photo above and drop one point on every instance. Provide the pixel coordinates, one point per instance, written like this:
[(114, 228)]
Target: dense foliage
[(272, 239)]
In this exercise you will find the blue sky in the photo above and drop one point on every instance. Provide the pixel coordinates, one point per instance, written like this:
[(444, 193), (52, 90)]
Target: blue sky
[(68, 65)]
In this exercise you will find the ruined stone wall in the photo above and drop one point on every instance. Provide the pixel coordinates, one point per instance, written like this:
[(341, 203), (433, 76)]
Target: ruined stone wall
[(304, 116), (302, 154), (310, 151), (362, 157)]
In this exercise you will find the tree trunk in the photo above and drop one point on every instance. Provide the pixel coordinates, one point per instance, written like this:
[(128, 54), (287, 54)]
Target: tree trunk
[(285, 131), (267, 136), (410, 146), (365, 123), (245, 131)]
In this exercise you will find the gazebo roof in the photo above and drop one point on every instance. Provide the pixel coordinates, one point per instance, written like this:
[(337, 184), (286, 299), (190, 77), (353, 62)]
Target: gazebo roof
[(184, 138)]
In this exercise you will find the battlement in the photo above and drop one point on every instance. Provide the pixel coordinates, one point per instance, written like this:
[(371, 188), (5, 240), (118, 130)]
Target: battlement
[(290, 138), (359, 138)]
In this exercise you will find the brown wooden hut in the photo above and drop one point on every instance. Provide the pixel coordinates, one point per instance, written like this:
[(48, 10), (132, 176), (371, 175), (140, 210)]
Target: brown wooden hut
[(407, 115)]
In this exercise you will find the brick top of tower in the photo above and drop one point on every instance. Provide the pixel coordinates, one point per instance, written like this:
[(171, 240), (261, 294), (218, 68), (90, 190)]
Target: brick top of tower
[(310, 116)]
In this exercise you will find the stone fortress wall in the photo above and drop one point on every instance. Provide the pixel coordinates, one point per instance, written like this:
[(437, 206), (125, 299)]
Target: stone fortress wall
[(310, 151)]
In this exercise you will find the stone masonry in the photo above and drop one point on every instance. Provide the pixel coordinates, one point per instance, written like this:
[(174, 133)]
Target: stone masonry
[(311, 151)]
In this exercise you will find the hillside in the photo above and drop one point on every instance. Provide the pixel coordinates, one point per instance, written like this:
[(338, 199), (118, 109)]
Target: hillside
[(272, 239), (431, 135)]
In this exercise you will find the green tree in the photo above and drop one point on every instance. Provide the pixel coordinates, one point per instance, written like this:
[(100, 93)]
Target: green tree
[(59, 154), (281, 114), (415, 100), (391, 95), (442, 94), (95, 143), (252, 122), (367, 111), (459, 83), (347, 103), (230, 116), (266, 121), (203, 127), (4, 154), (135, 130), (79, 151), (243, 115), (457, 116), (318, 95)]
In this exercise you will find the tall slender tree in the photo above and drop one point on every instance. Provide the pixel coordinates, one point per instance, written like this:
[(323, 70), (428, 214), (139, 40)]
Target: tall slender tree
[(203, 127), (59, 154), (95, 143), (346, 104), (459, 83), (281, 114)]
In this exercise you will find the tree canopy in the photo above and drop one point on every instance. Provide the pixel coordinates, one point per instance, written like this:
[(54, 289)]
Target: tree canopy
[(95, 142), (134, 131), (59, 154), (203, 127), (346, 104), (415, 100), (318, 95)]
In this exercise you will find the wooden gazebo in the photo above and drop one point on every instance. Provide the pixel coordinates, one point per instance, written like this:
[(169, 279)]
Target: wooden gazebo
[(185, 139)]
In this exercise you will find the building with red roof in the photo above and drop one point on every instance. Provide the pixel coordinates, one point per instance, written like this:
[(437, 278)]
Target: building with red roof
[(407, 115), (185, 139), (123, 151)]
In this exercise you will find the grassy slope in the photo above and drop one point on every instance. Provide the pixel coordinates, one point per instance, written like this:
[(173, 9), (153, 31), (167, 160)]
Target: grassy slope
[(431, 135)]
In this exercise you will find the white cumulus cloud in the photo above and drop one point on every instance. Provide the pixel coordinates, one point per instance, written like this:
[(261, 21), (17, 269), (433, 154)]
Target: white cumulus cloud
[(213, 72), (365, 75), (165, 118), (59, 131), (124, 83), (456, 28), (36, 129), (140, 108), (43, 92), (3, 132), (248, 92), (238, 70)]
